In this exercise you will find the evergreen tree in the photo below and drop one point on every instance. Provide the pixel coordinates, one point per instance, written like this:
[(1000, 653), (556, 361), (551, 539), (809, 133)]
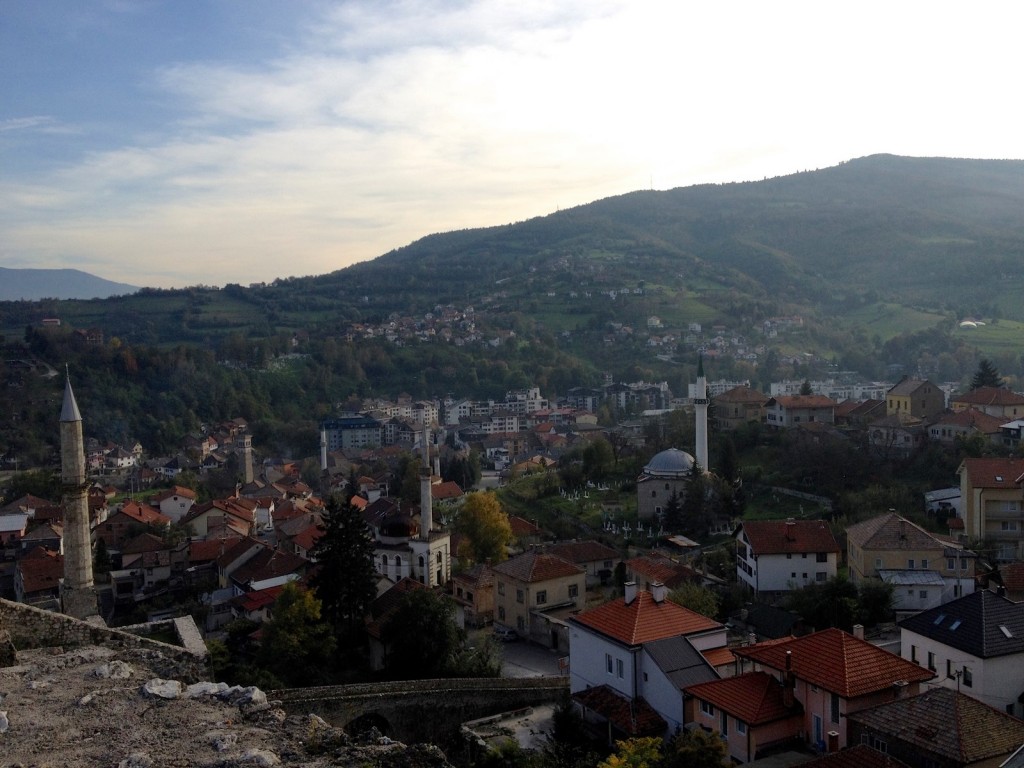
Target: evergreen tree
[(297, 645), (695, 503), (421, 636), (805, 388), (987, 375), (672, 514), (345, 582)]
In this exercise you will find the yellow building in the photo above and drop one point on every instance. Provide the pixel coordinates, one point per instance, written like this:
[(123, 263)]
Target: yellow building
[(914, 399), (529, 586), (993, 503)]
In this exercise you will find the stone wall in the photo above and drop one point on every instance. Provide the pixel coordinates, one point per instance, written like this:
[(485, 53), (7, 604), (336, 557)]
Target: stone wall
[(30, 627)]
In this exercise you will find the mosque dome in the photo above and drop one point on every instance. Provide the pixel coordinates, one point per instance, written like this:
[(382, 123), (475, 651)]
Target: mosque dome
[(670, 463)]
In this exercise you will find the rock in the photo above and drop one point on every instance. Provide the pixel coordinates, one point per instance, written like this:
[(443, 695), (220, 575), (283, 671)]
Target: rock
[(259, 757), (240, 696), (222, 741), (136, 760), (162, 689), (196, 690), (4, 722), (116, 670), (87, 699), (36, 685)]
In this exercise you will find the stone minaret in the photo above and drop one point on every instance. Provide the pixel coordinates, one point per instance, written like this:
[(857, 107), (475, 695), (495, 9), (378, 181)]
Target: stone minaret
[(78, 595), (323, 449), (700, 404), (243, 443)]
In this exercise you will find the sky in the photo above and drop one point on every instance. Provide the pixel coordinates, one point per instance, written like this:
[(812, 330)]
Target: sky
[(169, 143)]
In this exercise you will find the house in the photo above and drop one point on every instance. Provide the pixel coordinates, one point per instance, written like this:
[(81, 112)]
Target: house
[(832, 674), (596, 559), (655, 568), (754, 713), (925, 570), (212, 518), (127, 522), (963, 424), (257, 605), (775, 556), (974, 645), (473, 591), (12, 528), (784, 411), (618, 666), (47, 535), (266, 568), (914, 400), (856, 413), (738, 406), (995, 401), (529, 586), (37, 577), (857, 756), (893, 436), (939, 728), (175, 502), (150, 557), (993, 502)]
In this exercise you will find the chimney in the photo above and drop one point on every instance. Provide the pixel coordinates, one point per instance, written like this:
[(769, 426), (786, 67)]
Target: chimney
[(659, 592), (630, 591), (858, 631), (1001, 590), (790, 529), (787, 682), (751, 638), (833, 741)]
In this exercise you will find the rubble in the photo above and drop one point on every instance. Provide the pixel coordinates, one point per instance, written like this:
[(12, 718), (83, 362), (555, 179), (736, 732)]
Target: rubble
[(99, 707)]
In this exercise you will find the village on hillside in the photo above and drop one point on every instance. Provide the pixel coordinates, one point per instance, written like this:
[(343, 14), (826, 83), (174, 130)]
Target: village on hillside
[(886, 642)]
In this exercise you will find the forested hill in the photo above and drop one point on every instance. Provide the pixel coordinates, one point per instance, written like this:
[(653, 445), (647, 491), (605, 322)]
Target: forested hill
[(930, 231)]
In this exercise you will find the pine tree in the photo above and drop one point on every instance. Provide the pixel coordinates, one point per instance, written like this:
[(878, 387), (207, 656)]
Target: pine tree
[(672, 514), (346, 581), (695, 504), (987, 375)]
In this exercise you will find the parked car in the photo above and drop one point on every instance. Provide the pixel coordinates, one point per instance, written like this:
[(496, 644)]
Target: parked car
[(505, 634)]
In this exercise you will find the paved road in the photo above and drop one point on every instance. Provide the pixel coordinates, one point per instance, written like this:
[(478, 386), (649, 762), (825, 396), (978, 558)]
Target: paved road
[(522, 659)]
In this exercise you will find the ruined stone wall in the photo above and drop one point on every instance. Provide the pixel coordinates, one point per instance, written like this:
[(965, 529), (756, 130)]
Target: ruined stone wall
[(30, 627)]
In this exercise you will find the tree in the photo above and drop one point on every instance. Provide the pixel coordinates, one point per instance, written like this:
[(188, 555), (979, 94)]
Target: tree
[(697, 598), (672, 514), (875, 599), (805, 388), (297, 645), (346, 581), (597, 459), (486, 527), (421, 636), (830, 604), (986, 376), (635, 753), (696, 749), (695, 503)]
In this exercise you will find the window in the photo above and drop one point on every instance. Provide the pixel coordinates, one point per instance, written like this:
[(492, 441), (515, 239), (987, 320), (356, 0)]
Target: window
[(924, 564), (968, 678), (821, 576), (620, 669), (542, 597), (950, 563), (821, 557), (519, 596), (949, 667), (608, 663), (438, 558), (521, 623), (789, 556), (923, 594), (1008, 525), (707, 709), (878, 562), (501, 587), (910, 564), (574, 590), (469, 596), (724, 728), (501, 612), (835, 708), (931, 660), (741, 727), (913, 653)]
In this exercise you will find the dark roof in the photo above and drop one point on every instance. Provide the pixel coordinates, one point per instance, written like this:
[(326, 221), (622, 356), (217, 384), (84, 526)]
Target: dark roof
[(532, 567), (989, 396), (682, 664), (631, 716), (891, 531), (974, 624), (860, 756), (946, 723), (582, 551)]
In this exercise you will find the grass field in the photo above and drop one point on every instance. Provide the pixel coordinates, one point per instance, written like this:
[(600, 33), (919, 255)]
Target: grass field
[(888, 320)]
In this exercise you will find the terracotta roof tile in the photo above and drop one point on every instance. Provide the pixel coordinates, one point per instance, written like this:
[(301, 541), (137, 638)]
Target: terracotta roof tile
[(838, 662), (635, 717), (989, 396), (859, 756), (643, 620), (993, 473), (531, 567), (582, 551), (891, 531), (755, 697), (741, 394), (772, 537)]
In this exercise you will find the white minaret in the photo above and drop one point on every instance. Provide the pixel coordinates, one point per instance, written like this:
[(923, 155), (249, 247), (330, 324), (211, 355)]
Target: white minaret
[(426, 497), (78, 595), (700, 404)]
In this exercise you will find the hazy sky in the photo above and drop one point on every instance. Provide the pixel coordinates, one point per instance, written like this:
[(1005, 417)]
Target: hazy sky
[(177, 142)]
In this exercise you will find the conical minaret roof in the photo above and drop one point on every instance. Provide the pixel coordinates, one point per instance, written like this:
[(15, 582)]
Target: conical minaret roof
[(69, 411)]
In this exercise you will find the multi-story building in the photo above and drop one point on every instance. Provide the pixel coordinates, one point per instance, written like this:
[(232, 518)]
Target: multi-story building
[(776, 556), (993, 504), (786, 411), (352, 431), (914, 400), (528, 585), (995, 401)]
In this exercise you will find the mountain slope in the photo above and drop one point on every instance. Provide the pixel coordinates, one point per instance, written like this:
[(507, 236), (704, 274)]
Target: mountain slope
[(32, 284)]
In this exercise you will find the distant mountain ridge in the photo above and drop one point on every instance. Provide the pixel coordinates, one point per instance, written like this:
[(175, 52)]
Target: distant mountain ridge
[(33, 284)]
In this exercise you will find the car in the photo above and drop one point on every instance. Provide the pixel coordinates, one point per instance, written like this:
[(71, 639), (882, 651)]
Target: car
[(505, 634)]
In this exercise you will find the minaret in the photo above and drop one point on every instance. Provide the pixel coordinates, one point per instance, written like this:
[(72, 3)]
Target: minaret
[(78, 595), (700, 404), (243, 444), (323, 449), (426, 497)]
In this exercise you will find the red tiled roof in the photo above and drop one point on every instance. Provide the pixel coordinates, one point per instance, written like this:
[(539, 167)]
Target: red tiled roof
[(804, 401), (838, 662), (773, 537), (989, 396), (718, 657), (993, 473), (741, 394), (532, 567), (583, 551), (42, 569), (635, 717), (209, 550), (859, 756), (268, 564), (448, 490), (658, 568), (755, 697), (644, 620), (307, 538), (143, 513), (522, 527), (255, 601), (177, 490)]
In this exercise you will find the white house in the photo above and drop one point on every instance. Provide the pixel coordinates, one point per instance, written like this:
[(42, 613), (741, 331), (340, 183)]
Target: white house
[(974, 644), (617, 664), (775, 556)]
